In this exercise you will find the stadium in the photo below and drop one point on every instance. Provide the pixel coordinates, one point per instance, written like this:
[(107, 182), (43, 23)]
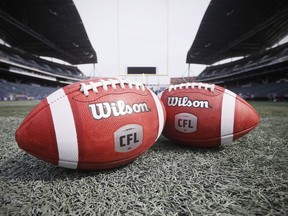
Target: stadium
[(244, 47)]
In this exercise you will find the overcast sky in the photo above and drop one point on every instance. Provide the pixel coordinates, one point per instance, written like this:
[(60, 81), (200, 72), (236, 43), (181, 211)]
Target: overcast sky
[(137, 33)]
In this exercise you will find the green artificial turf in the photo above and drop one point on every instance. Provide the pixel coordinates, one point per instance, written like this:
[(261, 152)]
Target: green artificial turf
[(247, 177)]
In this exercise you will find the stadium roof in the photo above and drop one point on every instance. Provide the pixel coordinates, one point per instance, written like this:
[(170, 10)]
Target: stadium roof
[(232, 28), (49, 28)]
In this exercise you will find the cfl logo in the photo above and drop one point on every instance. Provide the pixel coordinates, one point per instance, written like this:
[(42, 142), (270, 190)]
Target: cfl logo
[(186, 122), (128, 138)]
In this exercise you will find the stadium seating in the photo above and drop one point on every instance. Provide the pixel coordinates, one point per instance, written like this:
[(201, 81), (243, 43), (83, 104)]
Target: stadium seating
[(19, 91), (259, 76), (26, 77), (258, 61), (32, 62), (265, 91)]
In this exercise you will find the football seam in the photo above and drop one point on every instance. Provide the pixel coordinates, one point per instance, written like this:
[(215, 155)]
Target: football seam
[(104, 84), (58, 98), (212, 94), (75, 99)]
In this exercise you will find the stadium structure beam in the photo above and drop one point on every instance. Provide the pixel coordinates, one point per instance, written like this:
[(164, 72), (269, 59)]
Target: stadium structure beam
[(274, 19), (6, 17)]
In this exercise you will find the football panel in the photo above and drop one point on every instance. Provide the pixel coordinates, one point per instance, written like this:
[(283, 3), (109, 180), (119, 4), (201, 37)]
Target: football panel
[(232, 119), (202, 124), (66, 123), (97, 139), (36, 134), (246, 117), (203, 119)]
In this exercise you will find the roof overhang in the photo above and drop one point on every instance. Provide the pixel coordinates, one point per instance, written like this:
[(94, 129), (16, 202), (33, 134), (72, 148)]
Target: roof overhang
[(232, 28), (50, 28)]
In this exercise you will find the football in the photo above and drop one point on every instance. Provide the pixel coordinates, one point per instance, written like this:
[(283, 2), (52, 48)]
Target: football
[(94, 124), (205, 115)]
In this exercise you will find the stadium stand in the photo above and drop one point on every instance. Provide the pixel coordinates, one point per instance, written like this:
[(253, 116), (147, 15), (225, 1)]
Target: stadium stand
[(269, 91), (20, 91), (49, 28), (27, 77), (264, 75), (27, 62), (249, 66), (248, 29), (238, 28), (23, 74)]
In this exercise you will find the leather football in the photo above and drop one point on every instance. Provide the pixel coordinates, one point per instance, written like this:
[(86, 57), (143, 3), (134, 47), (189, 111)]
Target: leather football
[(205, 115), (93, 124)]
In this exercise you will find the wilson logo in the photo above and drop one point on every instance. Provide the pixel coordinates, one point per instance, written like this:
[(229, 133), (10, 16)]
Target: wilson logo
[(106, 109), (186, 102)]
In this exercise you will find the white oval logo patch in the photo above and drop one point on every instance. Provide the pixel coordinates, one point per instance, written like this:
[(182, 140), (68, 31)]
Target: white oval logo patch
[(128, 138), (186, 122)]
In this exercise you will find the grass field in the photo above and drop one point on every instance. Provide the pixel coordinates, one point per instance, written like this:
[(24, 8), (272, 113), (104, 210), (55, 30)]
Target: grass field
[(247, 177)]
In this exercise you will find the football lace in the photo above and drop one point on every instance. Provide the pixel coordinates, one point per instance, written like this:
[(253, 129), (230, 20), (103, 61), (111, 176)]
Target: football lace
[(192, 85), (110, 82)]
